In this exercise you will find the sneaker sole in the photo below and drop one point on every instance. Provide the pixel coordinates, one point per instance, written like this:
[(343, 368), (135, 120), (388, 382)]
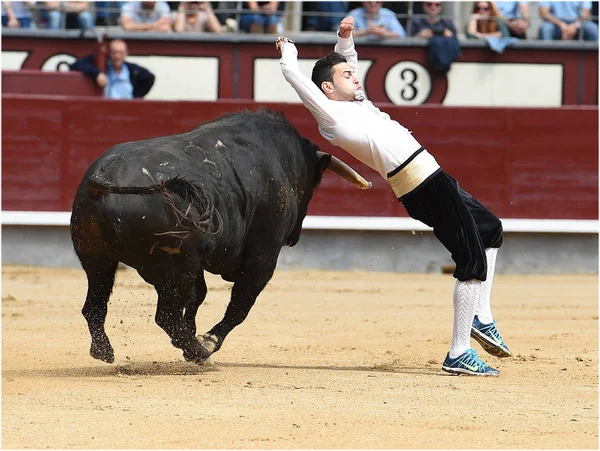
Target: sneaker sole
[(459, 371), (490, 347)]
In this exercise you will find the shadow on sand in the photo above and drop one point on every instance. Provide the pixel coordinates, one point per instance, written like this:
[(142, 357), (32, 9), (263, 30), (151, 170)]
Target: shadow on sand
[(154, 368)]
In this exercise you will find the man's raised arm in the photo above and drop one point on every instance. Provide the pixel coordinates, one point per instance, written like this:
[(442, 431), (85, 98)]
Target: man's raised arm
[(345, 42), (312, 97)]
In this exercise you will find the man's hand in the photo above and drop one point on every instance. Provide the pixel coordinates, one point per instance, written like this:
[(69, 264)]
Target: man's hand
[(270, 7), (568, 32), (448, 33), (101, 80), (518, 25), (279, 42), (13, 22), (377, 30), (425, 33), (346, 27)]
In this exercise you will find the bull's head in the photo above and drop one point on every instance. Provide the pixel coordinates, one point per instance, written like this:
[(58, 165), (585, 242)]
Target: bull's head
[(324, 161)]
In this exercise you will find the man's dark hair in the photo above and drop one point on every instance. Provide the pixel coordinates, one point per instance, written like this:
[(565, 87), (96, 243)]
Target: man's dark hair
[(323, 70)]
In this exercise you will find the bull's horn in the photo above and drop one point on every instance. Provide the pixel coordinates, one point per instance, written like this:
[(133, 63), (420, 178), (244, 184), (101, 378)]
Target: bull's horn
[(346, 172)]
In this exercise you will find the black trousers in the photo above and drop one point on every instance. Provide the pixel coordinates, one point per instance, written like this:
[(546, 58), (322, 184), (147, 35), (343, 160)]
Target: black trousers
[(462, 224)]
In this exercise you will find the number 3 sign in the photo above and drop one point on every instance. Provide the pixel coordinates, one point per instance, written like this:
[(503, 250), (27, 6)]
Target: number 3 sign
[(408, 83)]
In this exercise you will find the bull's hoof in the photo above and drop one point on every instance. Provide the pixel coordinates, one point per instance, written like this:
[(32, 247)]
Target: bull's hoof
[(196, 353), (104, 353), (209, 342)]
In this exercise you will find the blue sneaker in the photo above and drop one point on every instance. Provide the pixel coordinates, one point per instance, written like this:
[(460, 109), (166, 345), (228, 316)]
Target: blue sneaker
[(468, 363), (489, 338)]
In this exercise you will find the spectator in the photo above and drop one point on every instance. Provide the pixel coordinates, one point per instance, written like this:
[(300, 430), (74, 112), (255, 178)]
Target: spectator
[(146, 16), (329, 17), (485, 22), (433, 25), (565, 20), (195, 17), (262, 19), (516, 17), (375, 22), (77, 15), (107, 13), (16, 14), (122, 80)]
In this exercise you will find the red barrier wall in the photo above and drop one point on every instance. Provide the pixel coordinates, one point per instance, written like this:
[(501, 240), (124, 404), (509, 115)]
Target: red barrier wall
[(48, 83), (522, 163)]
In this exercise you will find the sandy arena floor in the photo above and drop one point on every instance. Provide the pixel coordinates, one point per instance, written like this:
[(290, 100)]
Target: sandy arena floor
[(325, 360)]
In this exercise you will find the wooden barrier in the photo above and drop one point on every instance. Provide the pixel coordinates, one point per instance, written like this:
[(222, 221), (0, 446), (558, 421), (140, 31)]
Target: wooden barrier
[(37, 82), (522, 163)]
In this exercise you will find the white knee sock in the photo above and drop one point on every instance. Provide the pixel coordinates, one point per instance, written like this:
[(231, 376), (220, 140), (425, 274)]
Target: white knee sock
[(484, 306), (465, 300)]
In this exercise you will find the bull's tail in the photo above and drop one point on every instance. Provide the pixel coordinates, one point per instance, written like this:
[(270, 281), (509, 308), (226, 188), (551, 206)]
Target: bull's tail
[(199, 214)]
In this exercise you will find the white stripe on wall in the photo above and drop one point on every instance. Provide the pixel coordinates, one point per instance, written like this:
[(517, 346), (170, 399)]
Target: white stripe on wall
[(52, 218)]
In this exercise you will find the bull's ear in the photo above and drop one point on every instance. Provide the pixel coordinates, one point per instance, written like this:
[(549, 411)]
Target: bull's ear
[(323, 161)]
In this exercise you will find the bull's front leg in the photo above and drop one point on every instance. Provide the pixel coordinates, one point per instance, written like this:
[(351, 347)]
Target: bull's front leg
[(172, 297), (194, 302), (245, 290)]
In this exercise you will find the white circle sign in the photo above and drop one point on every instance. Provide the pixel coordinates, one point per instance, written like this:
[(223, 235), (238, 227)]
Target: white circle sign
[(59, 62), (407, 83)]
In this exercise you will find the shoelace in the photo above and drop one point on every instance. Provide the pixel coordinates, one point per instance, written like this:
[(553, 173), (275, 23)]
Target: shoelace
[(473, 359), (492, 330)]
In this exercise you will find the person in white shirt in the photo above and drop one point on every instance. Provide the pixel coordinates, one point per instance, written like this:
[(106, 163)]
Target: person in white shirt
[(463, 225)]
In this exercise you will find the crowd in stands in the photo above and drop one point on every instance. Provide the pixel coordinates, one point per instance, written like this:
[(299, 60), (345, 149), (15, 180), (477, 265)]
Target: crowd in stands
[(570, 20)]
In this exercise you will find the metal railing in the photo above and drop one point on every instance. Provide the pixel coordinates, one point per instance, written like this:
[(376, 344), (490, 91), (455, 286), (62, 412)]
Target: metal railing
[(292, 16)]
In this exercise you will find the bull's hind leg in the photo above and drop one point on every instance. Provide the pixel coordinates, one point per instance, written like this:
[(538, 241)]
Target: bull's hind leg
[(245, 290), (172, 297), (194, 302), (101, 277)]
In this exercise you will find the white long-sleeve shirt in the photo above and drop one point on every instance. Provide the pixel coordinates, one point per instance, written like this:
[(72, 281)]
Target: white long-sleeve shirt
[(360, 128)]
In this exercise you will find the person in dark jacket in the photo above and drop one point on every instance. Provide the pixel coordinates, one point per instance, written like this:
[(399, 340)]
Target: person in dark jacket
[(433, 24), (122, 80)]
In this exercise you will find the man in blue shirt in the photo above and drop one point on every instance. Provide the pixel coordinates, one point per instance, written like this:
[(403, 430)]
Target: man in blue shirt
[(565, 20), (122, 80), (516, 17), (146, 16), (375, 22)]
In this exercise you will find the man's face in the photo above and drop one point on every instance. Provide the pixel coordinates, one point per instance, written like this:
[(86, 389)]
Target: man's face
[(148, 5), (432, 8), (117, 53), (372, 7), (345, 83)]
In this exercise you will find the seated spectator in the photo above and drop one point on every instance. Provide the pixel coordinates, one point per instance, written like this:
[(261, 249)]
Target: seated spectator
[(16, 14), (329, 17), (485, 22), (262, 19), (107, 13), (516, 17), (375, 22), (122, 80), (146, 16), (565, 20), (433, 25), (77, 15), (195, 17)]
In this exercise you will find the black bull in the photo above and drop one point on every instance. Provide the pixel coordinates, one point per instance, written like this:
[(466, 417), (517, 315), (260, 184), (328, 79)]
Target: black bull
[(223, 198)]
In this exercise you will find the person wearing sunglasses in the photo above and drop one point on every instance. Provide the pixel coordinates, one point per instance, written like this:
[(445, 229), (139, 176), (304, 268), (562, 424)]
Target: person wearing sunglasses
[(516, 17), (432, 24), (485, 22), (567, 20), (470, 231)]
